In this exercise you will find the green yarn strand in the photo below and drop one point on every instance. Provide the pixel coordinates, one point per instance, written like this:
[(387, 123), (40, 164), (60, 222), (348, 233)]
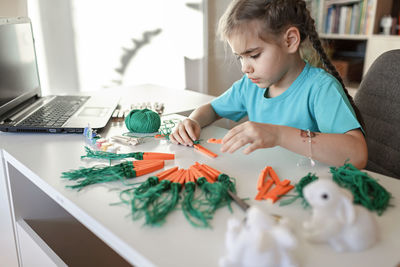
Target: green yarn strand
[(193, 214), (162, 206), (95, 175), (143, 121), (111, 156)]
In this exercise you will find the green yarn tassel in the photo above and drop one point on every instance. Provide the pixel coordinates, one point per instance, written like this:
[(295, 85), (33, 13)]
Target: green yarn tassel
[(216, 194), (94, 175), (366, 190), (227, 184), (299, 189), (143, 121), (111, 156), (155, 202), (191, 209), (163, 205)]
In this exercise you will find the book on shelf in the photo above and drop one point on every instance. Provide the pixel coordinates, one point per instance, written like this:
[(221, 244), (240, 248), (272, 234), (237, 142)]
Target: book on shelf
[(348, 16)]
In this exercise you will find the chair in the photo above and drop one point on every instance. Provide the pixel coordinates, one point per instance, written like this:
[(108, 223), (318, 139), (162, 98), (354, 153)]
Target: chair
[(378, 99)]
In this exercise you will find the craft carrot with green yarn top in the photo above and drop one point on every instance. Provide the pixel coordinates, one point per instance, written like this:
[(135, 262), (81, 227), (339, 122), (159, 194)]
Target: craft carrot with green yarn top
[(159, 195), (127, 169), (136, 155)]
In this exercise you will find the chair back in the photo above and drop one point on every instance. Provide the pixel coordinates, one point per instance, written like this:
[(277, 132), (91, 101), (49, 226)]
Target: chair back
[(378, 99)]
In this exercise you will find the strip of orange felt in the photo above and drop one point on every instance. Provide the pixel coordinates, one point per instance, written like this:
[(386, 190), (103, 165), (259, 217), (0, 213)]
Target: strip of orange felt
[(204, 173), (267, 185), (214, 171), (261, 178), (148, 169), (176, 176), (205, 151), (214, 141), (162, 175), (156, 155), (198, 174), (140, 163)]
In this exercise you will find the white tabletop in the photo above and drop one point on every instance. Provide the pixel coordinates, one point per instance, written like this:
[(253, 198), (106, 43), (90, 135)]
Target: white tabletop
[(42, 158)]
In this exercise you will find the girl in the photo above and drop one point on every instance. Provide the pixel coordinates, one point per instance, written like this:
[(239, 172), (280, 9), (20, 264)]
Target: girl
[(288, 101)]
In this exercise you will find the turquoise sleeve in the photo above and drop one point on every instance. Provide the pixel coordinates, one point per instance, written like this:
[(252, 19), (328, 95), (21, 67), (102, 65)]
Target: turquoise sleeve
[(333, 111)]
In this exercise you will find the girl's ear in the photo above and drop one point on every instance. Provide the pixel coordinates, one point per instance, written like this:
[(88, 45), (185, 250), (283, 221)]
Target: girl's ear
[(292, 39)]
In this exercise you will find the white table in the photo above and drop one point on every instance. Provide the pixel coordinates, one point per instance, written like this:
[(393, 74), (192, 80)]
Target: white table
[(48, 217)]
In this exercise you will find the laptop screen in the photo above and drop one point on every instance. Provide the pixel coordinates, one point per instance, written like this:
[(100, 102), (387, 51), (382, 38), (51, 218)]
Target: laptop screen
[(18, 70)]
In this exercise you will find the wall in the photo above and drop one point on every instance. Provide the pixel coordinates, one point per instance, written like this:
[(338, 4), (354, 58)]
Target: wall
[(13, 8), (223, 69)]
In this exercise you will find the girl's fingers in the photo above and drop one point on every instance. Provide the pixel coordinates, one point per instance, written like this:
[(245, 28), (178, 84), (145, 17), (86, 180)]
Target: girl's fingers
[(234, 143), (192, 134), (185, 137), (173, 139), (251, 148)]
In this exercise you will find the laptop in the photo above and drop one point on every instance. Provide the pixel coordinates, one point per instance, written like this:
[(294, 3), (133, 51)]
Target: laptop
[(22, 106)]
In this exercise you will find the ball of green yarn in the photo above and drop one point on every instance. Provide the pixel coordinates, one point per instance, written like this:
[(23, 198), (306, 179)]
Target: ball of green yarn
[(143, 121)]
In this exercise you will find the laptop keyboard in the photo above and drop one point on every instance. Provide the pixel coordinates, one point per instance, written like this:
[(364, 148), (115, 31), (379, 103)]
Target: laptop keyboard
[(56, 112)]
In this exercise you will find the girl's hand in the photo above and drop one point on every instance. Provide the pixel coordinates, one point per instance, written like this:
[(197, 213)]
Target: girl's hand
[(186, 132), (258, 135)]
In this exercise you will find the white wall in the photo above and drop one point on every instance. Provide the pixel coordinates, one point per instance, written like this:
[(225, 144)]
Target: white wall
[(13, 8), (222, 68)]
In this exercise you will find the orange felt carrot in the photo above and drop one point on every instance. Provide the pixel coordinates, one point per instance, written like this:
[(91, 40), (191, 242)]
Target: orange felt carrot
[(162, 175), (148, 169), (173, 178), (205, 151), (212, 170), (159, 136), (204, 173), (184, 177), (141, 163), (191, 176), (214, 141), (198, 174), (264, 189), (156, 155), (207, 174), (261, 178)]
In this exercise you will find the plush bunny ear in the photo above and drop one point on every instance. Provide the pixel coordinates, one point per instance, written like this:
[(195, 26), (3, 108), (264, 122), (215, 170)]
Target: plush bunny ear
[(345, 210)]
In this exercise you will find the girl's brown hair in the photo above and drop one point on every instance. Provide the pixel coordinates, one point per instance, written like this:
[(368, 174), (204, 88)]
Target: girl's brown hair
[(276, 16)]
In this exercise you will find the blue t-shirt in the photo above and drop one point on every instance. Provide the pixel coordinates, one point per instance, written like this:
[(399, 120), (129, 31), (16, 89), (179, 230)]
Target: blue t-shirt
[(315, 101)]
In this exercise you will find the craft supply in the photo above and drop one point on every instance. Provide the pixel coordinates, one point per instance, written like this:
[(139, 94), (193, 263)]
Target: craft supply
[(104, 146), (259, 240), (122, 171), (159, 195), (100, 141), (143, 121), (205, 150), (263, 187), (130, 141), (336, 220), (366, 190), (136, 155), (214, 141)]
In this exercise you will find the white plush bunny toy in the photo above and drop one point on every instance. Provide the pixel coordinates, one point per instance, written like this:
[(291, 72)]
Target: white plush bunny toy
[(258, 241), (335, 220)]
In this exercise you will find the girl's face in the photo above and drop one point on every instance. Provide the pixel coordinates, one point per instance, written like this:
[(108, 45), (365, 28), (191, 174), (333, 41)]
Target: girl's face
[(265, 64)]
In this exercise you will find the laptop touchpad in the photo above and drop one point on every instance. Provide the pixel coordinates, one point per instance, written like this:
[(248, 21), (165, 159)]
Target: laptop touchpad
[(93, 112)]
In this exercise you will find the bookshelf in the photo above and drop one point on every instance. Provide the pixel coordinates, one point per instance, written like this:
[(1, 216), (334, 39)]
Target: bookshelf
[(351, 33)]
